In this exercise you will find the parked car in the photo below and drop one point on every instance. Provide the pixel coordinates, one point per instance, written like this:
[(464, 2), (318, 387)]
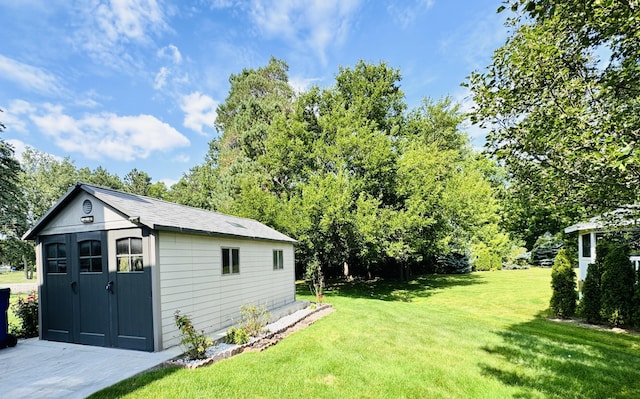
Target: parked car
[(5, 268)]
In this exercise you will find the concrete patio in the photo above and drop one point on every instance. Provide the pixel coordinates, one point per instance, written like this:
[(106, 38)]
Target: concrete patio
[(44, 369)]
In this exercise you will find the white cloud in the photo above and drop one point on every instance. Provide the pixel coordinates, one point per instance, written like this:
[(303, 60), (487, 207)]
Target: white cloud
[(404, 14), (169, 182), (182, 158), (314, 24), (200, 111), (108, 27), (29, 77), (107, 135), (301, 85), (13, 116), (171, 52), (18, 148), (161, 78), (221, 3)]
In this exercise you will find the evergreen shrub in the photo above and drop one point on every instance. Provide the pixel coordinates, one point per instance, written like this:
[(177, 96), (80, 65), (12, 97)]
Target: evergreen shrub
[(618, 279), (563, 284), (589, 307)]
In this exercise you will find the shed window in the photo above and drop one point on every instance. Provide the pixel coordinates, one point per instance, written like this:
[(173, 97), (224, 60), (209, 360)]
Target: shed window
[(586, 245), (56, 254), (277, 259), (230, 260), (129, 254), (90, 256)]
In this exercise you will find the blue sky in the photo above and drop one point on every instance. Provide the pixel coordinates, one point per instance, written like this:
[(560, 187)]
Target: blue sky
[(135, 84)]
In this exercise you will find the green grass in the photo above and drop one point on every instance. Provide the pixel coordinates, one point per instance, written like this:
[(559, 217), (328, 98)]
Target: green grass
[(465, 336), (16, 277)]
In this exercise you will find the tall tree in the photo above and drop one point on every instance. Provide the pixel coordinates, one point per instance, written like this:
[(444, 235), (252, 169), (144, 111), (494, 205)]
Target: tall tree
[(137, 182), (100, 177), (562, 100), (364, 186), (13, 210), (256, 95), (44, 180), (10, 195)]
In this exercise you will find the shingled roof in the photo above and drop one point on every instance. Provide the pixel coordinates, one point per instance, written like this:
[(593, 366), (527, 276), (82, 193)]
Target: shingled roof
[(163, 215)]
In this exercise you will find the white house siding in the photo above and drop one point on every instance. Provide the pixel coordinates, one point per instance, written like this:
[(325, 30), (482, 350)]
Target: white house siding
[(191, 280)]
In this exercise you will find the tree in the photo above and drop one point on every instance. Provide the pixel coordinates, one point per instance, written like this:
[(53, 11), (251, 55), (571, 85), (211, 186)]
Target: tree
[(562, 100), (10, 194), (44, 180), (100, 177), (563, 285), (137, 182), (591, 302), (366, 187), (13, 212), (254, 98)]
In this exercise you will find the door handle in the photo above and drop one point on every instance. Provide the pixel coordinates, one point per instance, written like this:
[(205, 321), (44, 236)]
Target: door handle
[(109, 286), (74, 284)]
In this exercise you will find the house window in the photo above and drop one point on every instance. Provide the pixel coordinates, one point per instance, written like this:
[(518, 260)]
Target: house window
[(56, 254), (230, 260), (129, 254), (277, 259), (586, 245), (90, 256)]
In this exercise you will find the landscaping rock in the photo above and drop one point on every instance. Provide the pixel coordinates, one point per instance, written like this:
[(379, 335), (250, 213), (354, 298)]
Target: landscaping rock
[(277, 331)]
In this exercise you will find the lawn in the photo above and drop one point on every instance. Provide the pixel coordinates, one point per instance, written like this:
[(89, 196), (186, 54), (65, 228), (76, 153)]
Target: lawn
[(16, 277), (481, 335)]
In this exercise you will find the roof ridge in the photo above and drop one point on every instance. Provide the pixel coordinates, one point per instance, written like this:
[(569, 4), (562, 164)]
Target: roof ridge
[(81, 184)]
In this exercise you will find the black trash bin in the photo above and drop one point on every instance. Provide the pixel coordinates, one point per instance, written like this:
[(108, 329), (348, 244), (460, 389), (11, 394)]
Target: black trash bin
[(6, 339)]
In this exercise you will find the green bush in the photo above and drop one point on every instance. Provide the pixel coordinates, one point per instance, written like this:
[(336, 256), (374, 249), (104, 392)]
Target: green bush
[(26, 309), (195, 343), (618, 279), (563, 284), (485, 259), (236, 336), (253, 318)]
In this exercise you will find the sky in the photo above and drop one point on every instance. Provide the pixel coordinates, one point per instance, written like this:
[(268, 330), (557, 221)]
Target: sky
[(135, 84)]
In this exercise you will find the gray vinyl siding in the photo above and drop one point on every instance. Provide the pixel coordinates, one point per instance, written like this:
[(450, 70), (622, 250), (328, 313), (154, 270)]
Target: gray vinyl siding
[(191, 280)]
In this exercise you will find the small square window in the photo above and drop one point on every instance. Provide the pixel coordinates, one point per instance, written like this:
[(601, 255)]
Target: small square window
[(230, 260), (278, 262)]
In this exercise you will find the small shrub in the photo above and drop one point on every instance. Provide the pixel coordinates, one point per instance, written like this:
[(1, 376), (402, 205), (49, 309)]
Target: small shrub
[(195, 343), (236, 336), (26, 309), (453, 263), (563, 284), (314, 277), (253, 318)]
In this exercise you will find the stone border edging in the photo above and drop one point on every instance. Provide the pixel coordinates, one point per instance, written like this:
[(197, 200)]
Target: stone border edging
[(241, 348)]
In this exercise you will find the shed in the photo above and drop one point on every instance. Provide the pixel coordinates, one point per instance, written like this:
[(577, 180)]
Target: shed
[(589, 232), (114, 267)]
